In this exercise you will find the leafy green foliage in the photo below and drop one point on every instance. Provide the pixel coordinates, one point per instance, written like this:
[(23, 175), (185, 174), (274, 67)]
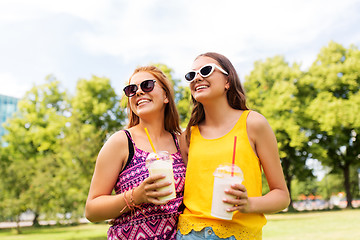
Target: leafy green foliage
[(31, 143), (333, 104), (314, 114), (272, 91), (52, 144)]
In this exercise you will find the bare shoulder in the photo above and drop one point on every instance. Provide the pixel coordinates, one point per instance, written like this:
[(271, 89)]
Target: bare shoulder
[(257, 125), (256, 121), (115, 145), (118, 137)]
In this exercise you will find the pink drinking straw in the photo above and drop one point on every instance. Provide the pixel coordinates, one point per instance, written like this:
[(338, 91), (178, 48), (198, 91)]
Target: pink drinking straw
[(233, 160)]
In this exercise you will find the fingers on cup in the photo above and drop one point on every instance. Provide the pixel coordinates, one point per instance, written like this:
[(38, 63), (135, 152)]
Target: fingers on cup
[(155, 182), (155, 177), (154, 190), (231, 200), (234, 193), (154, 196), (238, 187)]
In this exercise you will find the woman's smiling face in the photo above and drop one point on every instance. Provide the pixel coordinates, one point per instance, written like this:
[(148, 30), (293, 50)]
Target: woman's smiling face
[(143, 102), (211, 86)]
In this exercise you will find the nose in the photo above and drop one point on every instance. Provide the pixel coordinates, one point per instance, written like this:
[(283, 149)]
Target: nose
[(197, 77), (139, 91)]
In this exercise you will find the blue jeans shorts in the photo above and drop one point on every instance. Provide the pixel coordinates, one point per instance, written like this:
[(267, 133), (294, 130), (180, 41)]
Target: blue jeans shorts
[(206, 233)]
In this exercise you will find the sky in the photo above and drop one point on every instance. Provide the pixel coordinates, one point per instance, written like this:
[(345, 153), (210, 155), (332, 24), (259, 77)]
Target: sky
[(77, 39)]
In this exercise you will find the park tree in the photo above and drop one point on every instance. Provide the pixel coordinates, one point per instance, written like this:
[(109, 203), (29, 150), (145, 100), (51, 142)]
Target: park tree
[(95, 115), (331, 184), (331, 95), (184, 105), (271, 89), (306, 188), (28, 155), (51, 147), (96, 103), (12, 202)]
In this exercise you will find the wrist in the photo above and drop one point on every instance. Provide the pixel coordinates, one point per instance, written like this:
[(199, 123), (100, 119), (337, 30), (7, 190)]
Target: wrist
[(135, 197), (248, 208), (125, 201)]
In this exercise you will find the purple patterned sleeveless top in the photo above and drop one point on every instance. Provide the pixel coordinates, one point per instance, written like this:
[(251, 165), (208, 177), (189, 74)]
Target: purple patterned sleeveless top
[(152, 221)]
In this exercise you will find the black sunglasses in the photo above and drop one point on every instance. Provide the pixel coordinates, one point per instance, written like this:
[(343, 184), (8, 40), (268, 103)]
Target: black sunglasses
[(146, 86), (204, 71)]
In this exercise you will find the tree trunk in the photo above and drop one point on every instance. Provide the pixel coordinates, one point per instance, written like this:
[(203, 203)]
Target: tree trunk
[(347, 186), (18, 229), (36, 220), (288, 184)]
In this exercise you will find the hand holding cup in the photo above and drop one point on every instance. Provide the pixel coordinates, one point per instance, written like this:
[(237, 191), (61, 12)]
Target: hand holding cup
[(160, 164)]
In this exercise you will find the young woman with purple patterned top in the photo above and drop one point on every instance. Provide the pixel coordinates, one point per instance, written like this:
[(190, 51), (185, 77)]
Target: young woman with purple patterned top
[(135, 209)]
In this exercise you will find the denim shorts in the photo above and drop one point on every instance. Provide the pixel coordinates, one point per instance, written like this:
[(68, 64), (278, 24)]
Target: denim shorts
[(206, 233)]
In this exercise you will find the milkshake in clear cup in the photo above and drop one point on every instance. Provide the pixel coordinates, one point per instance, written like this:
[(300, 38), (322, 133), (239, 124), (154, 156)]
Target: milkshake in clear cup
[(223, 180), (161, 163)]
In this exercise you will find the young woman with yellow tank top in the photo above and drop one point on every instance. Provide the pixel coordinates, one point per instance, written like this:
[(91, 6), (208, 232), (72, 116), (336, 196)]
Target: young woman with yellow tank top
[(219, 114)]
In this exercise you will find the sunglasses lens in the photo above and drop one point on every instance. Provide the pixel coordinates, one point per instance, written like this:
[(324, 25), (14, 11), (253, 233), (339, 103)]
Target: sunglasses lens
[(190, 76), (206, 71), (130, 90), (147, 85)]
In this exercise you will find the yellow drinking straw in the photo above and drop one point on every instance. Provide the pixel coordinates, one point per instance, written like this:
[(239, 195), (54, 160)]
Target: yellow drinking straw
[(152, 145)]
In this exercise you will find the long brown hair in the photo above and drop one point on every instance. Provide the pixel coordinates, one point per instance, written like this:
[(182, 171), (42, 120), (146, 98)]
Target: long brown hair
[(171, 115), (235, 94)]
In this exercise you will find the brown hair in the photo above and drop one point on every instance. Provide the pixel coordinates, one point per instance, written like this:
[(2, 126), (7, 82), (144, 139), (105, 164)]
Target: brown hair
[(235, 94), (171, 115)]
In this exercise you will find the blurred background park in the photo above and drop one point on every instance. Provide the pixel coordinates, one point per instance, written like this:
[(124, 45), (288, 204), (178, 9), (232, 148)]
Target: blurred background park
[(56, 113)]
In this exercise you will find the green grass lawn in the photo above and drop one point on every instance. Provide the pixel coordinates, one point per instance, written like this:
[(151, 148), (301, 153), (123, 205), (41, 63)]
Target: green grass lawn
[(83, 232), (333, 225)]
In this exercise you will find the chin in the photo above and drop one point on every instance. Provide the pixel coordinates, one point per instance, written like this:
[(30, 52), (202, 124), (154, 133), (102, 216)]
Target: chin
[(199, 97)]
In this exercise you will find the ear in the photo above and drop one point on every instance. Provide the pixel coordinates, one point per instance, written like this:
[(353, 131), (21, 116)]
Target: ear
[(227, 85)]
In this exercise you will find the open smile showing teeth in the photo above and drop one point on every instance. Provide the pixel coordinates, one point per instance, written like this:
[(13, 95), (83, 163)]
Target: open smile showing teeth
[(200, 87), (141, 101)]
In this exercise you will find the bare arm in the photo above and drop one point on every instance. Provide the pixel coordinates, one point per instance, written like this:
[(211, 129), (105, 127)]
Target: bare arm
[(184, 148), (101, 205), (263, 140)]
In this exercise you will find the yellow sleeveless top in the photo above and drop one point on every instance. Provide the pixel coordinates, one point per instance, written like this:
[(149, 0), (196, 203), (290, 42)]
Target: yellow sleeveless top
[(204, 157)]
